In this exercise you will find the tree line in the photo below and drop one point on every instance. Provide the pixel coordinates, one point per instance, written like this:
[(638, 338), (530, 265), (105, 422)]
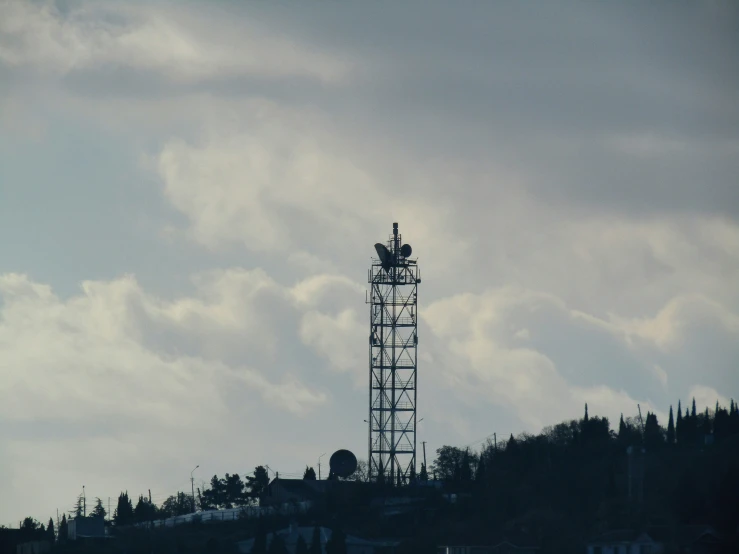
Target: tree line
[(580, 477), (231, 491)]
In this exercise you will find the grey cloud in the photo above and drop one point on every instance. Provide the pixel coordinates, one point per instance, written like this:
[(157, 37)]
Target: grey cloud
[(583, 155)]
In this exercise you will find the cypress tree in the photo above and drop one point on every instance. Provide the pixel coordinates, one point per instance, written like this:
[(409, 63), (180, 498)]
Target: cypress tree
[(465, 473), (692, 411), (63, 529), (670, 429), (679, 427), (481, 472), (622, 429), (706, 423), (732, 422), (50, 531), (423, 475)]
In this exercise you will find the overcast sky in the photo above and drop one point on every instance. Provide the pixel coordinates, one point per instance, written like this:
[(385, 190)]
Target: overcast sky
[(190, 194)]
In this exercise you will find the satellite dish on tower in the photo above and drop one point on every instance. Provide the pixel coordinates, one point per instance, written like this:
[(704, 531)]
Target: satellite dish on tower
[(406, 250), (386, 258), (343, 463)]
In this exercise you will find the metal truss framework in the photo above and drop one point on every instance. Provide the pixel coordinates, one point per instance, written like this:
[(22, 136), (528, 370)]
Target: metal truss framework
[(393, 343)]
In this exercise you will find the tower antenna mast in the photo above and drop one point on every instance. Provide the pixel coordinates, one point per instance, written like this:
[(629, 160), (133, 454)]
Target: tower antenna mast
[(393, 342)]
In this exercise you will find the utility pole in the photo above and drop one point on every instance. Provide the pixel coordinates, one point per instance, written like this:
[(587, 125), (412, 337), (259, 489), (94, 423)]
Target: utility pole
[(495, 438), (192, 487), (84, 502), (424, 458), (319, 465), (110, 516)]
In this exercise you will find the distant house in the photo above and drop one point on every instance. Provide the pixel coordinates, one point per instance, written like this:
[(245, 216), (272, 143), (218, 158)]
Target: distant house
[(85, 528), (9, 539), (354, 545), (281, 492), (286, 491), (692, 539)]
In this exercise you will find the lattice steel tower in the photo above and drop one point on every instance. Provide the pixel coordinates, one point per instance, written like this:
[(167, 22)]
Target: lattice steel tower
[(393, 342)]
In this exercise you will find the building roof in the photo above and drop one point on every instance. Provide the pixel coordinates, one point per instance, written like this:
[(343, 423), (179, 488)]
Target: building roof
[(307, 488)]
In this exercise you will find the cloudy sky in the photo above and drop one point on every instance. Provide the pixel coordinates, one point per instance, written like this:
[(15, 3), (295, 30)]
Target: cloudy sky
[(190, 192)]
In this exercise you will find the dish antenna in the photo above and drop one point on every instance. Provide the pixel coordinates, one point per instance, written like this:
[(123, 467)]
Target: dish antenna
[(406, 250), (386, 258), (343, 463)]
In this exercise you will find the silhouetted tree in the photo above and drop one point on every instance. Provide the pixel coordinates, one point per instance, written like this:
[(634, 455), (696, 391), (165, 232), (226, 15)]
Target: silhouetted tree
[(734, 418), (233, 491), (29, 524), (98, 510), (423, 475), (706, 427), (79, 507), (315, 543), (50, 536), (63, 529), (258, 482), (481, 472), (146, 511), (670, 429), (652, 431), (123, 514), (176, 505), (447, 463), (214, 497), (679, 427), (721, 423), (310, 474), (465, 472), (30, 529), (692, 411), (623, 434)]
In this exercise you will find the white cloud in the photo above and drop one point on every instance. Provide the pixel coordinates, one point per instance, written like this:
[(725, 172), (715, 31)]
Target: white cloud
[(707, 397), (181, 45), (666, 328), (340, 339), (66, 355), (489, 364)]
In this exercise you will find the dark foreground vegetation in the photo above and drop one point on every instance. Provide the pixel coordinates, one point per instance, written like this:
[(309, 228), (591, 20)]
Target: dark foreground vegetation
[(561, 487)]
